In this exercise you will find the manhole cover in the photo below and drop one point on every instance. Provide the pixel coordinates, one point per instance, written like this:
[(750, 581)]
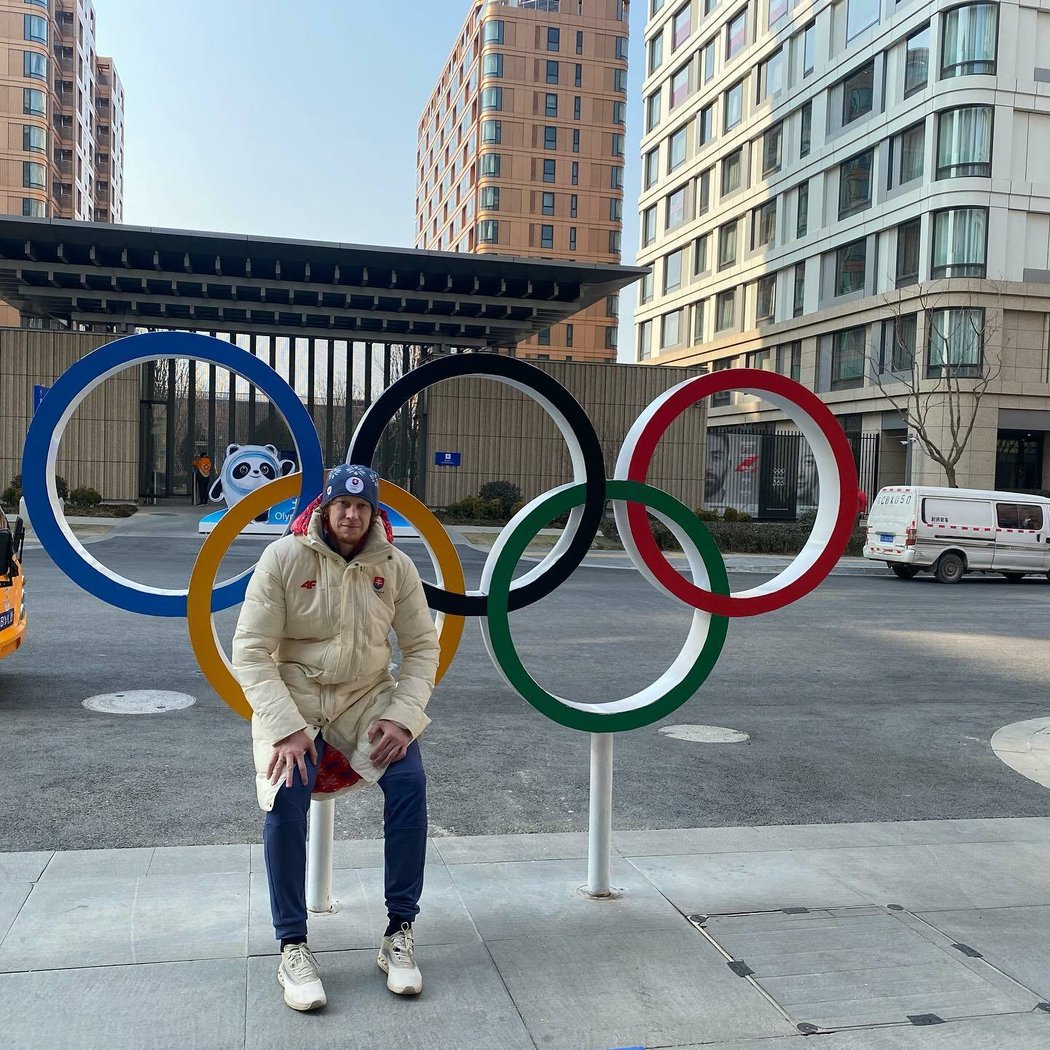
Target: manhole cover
[(705, 734), (139, 702)]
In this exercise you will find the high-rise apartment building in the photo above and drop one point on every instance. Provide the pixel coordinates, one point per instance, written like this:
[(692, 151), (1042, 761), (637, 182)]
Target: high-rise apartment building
[(521, 147), (857, 194)]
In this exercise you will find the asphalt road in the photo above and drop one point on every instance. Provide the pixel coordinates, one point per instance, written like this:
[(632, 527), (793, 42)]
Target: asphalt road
[(872, 699)]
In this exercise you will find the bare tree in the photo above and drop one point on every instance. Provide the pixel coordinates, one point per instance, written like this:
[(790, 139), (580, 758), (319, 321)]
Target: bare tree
[(939, 398)]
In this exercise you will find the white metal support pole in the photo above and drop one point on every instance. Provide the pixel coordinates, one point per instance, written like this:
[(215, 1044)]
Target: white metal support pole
[(599, 832), (319, 856)]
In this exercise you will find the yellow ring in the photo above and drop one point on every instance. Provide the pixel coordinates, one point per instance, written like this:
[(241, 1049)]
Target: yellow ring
[(211, 659)]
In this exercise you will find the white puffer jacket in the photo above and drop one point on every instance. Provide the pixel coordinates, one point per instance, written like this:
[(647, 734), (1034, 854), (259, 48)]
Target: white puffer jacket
[(312, 647)]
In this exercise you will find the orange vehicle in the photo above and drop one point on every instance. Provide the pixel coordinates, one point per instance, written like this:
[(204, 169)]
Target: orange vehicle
[(12, 581)]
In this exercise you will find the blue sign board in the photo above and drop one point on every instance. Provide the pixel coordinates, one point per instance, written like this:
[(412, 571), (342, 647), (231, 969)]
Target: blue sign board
[(38, 396), (446, 459)]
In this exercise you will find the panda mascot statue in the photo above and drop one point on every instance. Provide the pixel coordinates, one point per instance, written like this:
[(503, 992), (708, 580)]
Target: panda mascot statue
[(246, 468)]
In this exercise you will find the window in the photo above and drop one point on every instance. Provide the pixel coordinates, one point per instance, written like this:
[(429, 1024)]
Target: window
[(612, 305), (651, 168), (579, 41), (492, 98), (736, 34), (616, 177), (734, 106), (681, 26), (34, 102), (764, 224), (35, 29), (552, 71), (802, 214), (700, 253), (645, 340), (568, 335), (777, 10), (771, 76), (550, 169), (906, 154), (698, 321), (727, 245), (676, 208), (546, 203), (703, 192), (772, 141), (916, 61), (546, 235), (789, 360), (553, 38), (492, 32), (798, 292), (850, 267), (809, 49), (34, 65), (488, 231), (620, 80), (908, 237), (673, 271), (34, 175), (491, 131), (855, 183), (574, 175), (576, 143), (610, 338), (725, 308), (731, 165), (577, 108), (671, 329), (847, 358), (646, 293), (543, 337), (574, 205), (550, 137), (897, 350), (33, 209), (621, 49), (707, 60), (550, 104), (648, 226), (969, 40), (765, 298), (492, 64), (34, 139), (656, 52), (489, 198), (805, 134), (1027, 516), (960, 239), (964, 142), (619, 111), (652, 111), (38, 3), (858, 93), (615, 209), (680, 86), (956, 342), (859, 15), (578, 77), (676, 149), (705, 125), (572, 238)]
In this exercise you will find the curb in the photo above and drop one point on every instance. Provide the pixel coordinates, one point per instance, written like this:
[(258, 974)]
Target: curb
[(1025, 748)]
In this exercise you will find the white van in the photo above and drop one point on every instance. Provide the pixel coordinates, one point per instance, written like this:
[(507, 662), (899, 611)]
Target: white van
[(956, 531)]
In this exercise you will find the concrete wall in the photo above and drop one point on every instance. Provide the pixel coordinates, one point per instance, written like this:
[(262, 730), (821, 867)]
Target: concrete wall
[(101, 443), (501, 434)]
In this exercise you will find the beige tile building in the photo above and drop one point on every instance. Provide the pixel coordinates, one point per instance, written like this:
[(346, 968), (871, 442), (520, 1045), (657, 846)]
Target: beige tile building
[(521, 148), (857, 194)]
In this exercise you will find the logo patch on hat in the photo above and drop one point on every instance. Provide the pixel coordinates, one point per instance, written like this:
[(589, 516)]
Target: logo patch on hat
[(355, 484), (378, 583)]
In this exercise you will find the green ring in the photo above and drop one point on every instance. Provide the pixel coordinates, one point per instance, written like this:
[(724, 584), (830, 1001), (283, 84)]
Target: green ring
[(498, 620)]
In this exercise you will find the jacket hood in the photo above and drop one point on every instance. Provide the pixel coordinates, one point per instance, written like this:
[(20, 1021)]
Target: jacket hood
[(301, 525)]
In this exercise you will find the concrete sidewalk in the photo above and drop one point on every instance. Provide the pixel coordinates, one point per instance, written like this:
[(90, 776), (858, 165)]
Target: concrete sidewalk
[(910, 935)]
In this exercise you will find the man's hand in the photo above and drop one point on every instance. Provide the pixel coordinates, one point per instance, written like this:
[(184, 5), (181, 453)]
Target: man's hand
[(391, 742), (290, 754)]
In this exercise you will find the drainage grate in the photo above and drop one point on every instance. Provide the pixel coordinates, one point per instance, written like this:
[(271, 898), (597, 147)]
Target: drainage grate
[(853, 967)]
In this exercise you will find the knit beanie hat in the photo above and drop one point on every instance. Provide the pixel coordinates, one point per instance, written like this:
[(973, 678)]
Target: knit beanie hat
[(349, 479)]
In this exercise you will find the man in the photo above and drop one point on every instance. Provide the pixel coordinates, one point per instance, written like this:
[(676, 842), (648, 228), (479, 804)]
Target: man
[(312, 653), (717, 466), (202, 475)]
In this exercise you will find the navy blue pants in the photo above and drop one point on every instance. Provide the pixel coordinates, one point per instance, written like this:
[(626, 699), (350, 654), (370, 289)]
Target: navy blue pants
[(404, 786)]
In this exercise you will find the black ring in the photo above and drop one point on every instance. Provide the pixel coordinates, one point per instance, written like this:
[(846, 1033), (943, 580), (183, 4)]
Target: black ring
[(366, 437)]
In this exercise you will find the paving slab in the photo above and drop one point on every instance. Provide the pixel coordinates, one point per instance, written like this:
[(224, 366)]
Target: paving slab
[(12, 896), (159, 1006), (463, 1005), (87, 863), (349, 853), (23, 867), (619, 989), (692, 840), (198, 860), (69, 923), (735, 882), (1016, 940), (542, 896), (487, 849), (907, 832)]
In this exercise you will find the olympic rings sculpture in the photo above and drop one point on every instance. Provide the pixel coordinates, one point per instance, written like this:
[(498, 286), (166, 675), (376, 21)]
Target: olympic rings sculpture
[(707, 593)]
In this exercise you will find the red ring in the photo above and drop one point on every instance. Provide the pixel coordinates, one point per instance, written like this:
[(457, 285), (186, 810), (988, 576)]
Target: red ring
[(684, 397)]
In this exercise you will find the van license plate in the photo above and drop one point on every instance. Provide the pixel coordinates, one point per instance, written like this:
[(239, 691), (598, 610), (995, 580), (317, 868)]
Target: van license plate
[(885, 537)]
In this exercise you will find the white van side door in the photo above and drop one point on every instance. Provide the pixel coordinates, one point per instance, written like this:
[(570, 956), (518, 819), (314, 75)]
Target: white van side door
[(1021, 537)]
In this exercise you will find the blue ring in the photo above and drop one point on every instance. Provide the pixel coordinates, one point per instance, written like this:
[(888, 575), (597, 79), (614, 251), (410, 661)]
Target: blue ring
[(71, 386)]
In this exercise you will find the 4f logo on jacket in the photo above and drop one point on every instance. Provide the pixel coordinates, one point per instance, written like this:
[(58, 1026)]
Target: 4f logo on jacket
[(377, 583), (309, 585)]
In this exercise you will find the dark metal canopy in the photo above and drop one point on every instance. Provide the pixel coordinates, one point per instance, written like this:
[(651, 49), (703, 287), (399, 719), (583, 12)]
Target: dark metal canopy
[(102, 274)]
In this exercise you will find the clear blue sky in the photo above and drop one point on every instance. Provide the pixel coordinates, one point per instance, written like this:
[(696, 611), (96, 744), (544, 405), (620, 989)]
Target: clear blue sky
[(293, 119)]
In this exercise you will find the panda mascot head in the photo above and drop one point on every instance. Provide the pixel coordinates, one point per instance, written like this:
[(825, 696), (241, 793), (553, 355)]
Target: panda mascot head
[(246, 468)]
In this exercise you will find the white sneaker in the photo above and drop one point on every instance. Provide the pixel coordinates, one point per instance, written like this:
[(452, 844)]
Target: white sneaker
[(298, 976), (397, 961)]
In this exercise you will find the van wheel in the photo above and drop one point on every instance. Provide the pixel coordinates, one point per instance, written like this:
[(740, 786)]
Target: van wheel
[(1014, 577), (904, 572), (950, 568)]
